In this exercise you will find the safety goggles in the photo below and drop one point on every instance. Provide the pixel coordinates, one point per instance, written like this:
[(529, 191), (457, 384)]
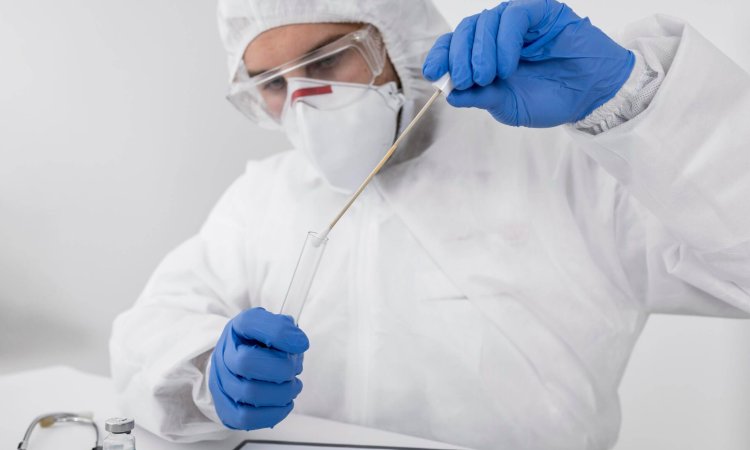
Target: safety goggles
[(356, 58)]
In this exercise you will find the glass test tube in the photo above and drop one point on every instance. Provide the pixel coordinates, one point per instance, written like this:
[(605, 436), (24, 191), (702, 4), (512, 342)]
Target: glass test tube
[(304, 274)]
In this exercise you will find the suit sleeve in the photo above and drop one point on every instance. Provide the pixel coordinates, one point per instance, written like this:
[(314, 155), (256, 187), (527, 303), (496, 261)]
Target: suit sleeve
[(160, 347), (684, 164)]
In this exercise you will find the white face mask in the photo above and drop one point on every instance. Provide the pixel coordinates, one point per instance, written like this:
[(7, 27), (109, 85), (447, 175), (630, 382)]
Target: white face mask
[(345, 143)]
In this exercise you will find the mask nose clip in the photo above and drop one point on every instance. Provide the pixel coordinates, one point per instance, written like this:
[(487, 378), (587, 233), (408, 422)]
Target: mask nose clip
[(309, 92)]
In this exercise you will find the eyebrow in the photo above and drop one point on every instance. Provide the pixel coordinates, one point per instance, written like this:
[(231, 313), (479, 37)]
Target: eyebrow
[(314, 47)]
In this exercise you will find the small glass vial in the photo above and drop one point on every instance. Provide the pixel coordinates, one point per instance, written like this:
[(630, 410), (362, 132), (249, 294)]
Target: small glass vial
[(119, 437)]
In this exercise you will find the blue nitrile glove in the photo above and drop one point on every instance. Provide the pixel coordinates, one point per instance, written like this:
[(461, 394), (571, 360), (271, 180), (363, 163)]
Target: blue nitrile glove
[(531, 63), (254, 368)]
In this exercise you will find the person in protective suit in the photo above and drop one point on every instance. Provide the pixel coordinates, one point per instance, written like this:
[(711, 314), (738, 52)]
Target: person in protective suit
[(488, 287)]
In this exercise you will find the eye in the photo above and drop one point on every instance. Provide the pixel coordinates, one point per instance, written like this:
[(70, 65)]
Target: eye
[(274, 85), (324, 65)]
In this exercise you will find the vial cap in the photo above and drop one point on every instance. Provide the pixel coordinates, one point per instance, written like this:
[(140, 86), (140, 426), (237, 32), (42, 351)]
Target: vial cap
[(119, 425)]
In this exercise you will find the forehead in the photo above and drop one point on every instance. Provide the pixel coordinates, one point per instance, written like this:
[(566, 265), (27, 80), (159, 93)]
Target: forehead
[(279, 45)]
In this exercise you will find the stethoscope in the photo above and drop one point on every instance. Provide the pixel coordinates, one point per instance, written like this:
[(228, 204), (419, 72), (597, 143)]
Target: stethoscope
[(48, 420)]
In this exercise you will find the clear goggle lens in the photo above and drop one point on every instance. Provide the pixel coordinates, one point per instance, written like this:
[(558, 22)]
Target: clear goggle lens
[(357, 58)]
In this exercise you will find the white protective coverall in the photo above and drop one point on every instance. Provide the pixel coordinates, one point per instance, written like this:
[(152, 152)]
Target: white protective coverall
[(488, 289)]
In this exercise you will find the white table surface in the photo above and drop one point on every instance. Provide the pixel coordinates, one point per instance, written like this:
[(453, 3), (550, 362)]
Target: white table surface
[(25, 395)]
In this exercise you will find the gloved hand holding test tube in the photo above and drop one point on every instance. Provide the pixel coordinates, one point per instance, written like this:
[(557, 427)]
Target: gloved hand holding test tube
[(315, 244)]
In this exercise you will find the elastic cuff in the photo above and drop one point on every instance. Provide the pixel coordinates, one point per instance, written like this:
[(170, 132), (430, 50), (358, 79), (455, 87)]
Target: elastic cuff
[(632, 99), (203, 399)]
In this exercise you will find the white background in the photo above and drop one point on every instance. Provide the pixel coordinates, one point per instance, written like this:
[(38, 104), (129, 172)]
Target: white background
[(115, 141)]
